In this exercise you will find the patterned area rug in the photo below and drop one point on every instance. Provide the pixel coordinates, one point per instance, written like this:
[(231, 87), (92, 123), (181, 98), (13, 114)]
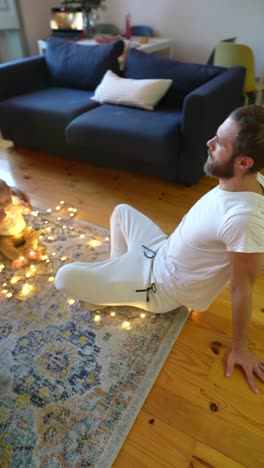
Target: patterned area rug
[(72, 380)]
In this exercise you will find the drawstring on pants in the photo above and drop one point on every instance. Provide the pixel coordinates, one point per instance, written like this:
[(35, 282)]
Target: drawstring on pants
[(152, 287)]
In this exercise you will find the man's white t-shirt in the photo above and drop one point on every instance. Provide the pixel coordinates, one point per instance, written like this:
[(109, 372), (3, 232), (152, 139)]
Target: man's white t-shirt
[(192, 266)]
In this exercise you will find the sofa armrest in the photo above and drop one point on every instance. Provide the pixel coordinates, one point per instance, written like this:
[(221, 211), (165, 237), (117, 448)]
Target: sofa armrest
[(23, 76), (204, 109)]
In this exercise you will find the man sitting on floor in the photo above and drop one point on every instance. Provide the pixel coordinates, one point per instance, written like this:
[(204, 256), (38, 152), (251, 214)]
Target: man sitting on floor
[(220, 240)]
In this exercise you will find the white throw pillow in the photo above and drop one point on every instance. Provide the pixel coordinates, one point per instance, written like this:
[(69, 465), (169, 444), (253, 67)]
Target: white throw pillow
[(144, 94)]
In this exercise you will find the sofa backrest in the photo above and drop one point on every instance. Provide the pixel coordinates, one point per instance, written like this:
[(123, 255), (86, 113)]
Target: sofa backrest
[(81, 66), (186, 76)]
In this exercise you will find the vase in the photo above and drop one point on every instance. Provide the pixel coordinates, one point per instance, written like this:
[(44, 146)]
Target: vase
[(88, 26), (128, 27)]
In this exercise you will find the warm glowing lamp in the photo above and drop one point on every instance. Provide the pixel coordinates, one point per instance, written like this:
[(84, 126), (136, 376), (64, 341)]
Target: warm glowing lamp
[(126, 325)]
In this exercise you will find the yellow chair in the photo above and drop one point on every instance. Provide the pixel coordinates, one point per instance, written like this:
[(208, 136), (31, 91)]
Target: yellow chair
[(232, 55)]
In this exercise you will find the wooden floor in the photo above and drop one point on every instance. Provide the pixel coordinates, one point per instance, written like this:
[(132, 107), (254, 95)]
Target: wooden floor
[(194, 416)]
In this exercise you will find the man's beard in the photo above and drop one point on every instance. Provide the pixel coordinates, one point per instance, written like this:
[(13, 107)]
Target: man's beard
[(219, 170)]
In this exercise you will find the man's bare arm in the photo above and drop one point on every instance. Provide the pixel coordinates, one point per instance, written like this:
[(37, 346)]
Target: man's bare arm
[(244, 269)]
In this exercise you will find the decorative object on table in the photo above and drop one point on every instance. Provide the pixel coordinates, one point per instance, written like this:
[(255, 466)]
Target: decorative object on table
[(106, 28), (66, 22), (72, 380), (90, 14), (143, 31), (106, 40), (143, 40), (128, 26)]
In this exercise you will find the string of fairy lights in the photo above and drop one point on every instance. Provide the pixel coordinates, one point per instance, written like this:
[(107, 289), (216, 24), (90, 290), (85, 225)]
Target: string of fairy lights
[(20, 284)]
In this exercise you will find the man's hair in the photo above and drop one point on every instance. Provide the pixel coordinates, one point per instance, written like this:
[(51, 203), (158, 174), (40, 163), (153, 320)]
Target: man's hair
[(3, 186), (250, 137)]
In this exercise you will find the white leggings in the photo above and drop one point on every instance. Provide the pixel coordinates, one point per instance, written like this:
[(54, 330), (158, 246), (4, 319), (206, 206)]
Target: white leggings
[(116, 281)]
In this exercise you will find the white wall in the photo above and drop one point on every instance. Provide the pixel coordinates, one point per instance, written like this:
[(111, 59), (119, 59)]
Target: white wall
[(35, 17), (195, 26)]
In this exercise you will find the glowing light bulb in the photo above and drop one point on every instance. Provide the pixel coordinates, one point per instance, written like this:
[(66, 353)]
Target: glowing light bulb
[(9, 295), (40, 237), (4, 291), (126, 325), (71, 214), (31, 253), (70, 209), (58, 208), (28, 274), (74, 210), (112, 314), (59, 218), (46, 222), (82, 236), (4, 284), (34, 213), (62, 202), (2, 266), (53, 254), (94, 243), (64, 227), (49, 210), (107, 238), (71, 301), (50, 238), (44, 257), (63, 259), (97, 318), (26, 289), (51, 279)]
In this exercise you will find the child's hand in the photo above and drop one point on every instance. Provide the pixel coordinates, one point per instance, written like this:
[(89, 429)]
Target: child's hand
[(19, 262), (23, 196), (27, 209)]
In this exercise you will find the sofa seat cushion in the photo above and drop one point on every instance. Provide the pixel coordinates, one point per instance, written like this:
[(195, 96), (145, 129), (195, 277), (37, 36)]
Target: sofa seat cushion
[(81, 66), (132, 133), (185, 76), (43, 113)]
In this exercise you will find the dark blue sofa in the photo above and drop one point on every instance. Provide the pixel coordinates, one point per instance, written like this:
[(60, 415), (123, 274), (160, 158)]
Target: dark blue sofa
[(45, 105)]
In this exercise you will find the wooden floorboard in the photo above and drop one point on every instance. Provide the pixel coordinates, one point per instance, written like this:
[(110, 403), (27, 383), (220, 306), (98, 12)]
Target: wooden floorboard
[(194, 416)]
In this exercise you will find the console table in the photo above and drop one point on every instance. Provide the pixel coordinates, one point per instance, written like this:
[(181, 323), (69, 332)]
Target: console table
[(154, 44)]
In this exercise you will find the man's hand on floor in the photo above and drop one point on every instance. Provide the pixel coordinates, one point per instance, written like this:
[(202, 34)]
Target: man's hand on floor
[(250, 363)]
